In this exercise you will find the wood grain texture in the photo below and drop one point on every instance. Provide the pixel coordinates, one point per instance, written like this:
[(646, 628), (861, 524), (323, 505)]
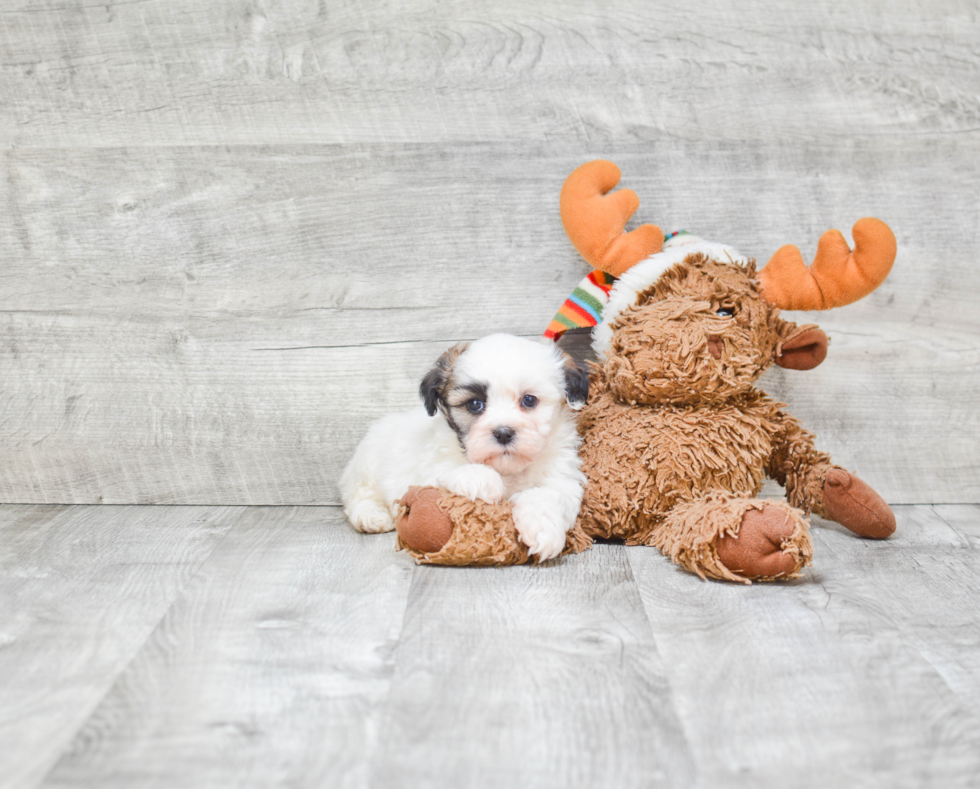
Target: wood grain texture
[(865, 672), (530, 676), (211, 419), (298, 653), (214, 326), (81, 589), (284, 71), (371, 243), (270, 669), (234, 233)]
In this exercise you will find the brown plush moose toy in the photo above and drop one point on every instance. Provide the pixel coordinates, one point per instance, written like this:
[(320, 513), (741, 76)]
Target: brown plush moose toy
[(676, 438)]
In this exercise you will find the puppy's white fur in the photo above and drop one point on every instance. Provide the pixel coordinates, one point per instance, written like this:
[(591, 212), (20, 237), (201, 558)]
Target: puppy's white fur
[(537, 469)]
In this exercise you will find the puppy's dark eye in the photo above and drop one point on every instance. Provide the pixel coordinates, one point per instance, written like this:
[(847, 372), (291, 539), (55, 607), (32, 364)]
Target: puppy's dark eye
[(475, 406), (529, 401), (726, 312)]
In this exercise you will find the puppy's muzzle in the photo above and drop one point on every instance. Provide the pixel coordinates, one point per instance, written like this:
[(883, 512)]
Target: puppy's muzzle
[(504, 435)]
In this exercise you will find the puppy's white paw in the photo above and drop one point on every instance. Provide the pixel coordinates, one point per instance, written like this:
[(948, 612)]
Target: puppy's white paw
[(474, 481), (369, 516), (539, 524)]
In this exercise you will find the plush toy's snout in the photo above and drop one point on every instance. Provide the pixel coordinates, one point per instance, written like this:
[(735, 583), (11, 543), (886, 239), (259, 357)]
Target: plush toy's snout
[(715, 345)]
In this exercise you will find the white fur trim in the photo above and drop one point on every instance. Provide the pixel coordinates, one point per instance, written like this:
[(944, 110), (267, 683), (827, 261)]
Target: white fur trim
[(644, 274)]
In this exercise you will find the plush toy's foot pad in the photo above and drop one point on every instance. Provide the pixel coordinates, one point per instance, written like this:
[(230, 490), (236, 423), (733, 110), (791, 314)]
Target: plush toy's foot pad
[(736, 538), (757, 549), (422, 526), (854, 504), (438, 527)]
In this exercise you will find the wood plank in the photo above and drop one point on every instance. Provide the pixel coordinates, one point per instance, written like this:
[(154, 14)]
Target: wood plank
[(864, 672), (270, 669), (530, 676), (202, 416), (289, 657), (216, 343), (372, 243), (81, 589), (357, 244), (190, 73), (300, 415)]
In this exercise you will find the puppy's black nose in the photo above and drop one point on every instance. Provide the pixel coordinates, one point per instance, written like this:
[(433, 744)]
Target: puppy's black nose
[(504, 435)]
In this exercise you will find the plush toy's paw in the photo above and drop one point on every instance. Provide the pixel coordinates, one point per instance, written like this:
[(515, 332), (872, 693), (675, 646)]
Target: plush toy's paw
[(855, 505), (474, 482), (422, 524), (736, 538), (369, 516), (538, 523), (762, 547)]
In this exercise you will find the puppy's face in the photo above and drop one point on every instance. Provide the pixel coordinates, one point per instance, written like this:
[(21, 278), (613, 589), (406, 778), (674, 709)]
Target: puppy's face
[(503, 396)]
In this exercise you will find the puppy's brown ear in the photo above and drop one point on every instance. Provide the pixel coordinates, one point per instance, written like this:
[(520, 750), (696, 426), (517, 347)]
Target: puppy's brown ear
[(576, 384), (436, 382)]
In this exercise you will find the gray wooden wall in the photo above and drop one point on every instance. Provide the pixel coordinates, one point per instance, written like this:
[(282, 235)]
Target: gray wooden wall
[(232, 234)]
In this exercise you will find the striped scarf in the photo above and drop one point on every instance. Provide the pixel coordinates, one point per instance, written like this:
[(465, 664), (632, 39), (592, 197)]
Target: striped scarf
[(583, 309)]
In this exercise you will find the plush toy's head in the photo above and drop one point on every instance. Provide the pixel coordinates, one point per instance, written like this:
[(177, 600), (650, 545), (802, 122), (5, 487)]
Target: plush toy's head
[(695, 322), (702, 333)]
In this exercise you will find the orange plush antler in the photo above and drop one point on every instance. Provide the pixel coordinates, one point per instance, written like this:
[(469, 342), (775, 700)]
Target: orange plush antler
[(838, 276), (594, 220)]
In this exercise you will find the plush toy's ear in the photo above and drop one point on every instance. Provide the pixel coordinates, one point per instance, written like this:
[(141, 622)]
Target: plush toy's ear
[(576, 384), (434, 383), (801, 347)]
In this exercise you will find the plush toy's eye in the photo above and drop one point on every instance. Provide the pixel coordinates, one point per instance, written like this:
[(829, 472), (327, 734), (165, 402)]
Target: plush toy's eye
[(529, 401), (475, 406), (726, 312)]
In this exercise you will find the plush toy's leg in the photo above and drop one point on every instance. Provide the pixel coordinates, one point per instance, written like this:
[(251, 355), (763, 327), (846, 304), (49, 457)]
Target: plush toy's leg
[(839, 495), (853, 503), (764, 546), (736, 538), (814, 484), (439, 527)]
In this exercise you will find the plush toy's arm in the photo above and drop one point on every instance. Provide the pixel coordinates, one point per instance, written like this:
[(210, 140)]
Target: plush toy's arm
[(439, 527), (814, 484), (797, 465)]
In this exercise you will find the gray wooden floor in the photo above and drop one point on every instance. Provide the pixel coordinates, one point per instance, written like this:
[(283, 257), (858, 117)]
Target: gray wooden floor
[(232, 233), (273, 646)]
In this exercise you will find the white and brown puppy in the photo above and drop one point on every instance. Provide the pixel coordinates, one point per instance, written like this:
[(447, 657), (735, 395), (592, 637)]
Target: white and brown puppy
[(505, 431)]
